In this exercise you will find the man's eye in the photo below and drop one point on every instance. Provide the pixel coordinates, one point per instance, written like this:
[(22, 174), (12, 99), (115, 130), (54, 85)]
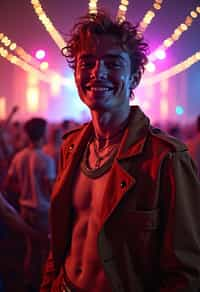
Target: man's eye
[(86, 65), (113, 64)]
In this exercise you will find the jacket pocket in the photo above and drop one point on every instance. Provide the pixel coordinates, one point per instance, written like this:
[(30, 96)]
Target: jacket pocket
[(143, 220)]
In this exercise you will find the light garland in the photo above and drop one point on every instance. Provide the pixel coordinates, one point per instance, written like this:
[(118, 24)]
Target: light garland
[(187, 63), (149, 15), (92, 6), (22, 64), (122, 9), (12, 46), (55, 35), (178, 31), (27, 62)]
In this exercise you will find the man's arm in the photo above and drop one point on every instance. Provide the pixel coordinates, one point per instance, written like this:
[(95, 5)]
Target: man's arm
[(180, 210)]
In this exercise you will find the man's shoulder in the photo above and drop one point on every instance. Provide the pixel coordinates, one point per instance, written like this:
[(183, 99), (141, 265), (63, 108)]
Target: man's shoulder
[(162, 137)]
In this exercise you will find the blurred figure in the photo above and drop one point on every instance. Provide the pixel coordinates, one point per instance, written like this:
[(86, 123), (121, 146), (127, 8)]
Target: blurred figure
[(14, 221), (175, 131), (18, 138), (31, 174), (68, 125), (194, 145), (52, 148)]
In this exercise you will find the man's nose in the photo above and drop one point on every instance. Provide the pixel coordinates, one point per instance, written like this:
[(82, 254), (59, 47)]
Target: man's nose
[(99, 70)]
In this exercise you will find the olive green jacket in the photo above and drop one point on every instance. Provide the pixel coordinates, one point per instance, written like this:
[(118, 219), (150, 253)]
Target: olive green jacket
[(150, 235)]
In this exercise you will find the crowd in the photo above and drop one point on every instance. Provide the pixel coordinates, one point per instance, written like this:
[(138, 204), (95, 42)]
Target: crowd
[(29, 154), (25, 148)]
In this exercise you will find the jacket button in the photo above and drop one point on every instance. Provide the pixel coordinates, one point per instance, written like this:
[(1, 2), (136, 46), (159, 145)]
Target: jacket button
[(71, 147), (123, 184)]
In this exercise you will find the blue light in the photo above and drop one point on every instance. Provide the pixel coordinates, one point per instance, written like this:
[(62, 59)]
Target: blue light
[(179, 110)]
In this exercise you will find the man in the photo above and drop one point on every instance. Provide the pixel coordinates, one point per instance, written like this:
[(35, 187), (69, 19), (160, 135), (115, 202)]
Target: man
[(125, 205), (31, 174)]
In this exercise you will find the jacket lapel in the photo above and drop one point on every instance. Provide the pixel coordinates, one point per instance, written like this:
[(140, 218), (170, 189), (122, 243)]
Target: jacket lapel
[(120, 180)]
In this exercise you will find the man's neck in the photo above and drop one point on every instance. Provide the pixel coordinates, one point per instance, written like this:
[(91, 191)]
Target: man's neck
[(108, 126)]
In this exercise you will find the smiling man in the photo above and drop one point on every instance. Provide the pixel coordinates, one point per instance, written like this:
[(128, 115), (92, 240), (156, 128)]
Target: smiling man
[(126, 203)]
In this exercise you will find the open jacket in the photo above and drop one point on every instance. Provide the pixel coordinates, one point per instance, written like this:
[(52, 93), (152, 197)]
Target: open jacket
[(150, 234)]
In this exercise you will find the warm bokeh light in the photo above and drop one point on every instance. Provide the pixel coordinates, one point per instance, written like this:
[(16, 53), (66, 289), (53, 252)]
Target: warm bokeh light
[(40, 54), (149, 15), (55, 35), (32, 98), (160, 54), (122, 9), (164, 108), (150, 67), (55, 84), (177, 33), (174, 70), (44, 66), (2, 107)]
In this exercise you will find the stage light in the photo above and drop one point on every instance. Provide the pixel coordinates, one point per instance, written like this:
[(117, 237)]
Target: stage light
[(179, 110), (32, 99), (160, 54), (44, 66), (2, 107), (150, 67), (40, 54)]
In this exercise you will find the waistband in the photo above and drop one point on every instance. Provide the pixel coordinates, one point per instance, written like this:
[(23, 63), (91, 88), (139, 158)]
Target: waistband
[(67, 286)]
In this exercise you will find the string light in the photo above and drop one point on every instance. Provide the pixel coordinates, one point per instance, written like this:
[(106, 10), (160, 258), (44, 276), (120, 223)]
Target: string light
[(122, 9), (22, 64), (178, 31), (149, 15), (50, 28), (92, 6), (18, 50), (27, 62), (173, 70)]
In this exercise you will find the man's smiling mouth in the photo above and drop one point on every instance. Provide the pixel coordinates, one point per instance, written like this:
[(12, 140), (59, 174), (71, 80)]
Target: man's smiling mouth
[(99, 88)]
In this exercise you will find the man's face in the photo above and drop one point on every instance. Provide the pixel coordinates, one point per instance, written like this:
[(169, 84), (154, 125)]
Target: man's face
[(103, 74)]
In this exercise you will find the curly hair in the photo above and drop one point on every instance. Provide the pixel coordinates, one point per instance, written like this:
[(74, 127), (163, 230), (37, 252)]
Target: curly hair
[(93, 25)]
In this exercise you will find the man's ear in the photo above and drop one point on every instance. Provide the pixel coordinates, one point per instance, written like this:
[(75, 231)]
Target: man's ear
[(135, 79)]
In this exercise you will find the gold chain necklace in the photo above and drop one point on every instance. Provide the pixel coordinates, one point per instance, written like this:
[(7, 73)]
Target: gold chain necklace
[(100, 158), (98, 170)]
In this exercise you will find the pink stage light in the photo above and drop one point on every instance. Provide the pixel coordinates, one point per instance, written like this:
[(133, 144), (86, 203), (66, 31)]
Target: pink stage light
[(151, 67), (160, 54), (40, 54)]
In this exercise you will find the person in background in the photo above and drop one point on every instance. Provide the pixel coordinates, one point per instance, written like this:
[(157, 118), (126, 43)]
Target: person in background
[(125, 208), (32, 174), (52, 147), (12, 219), (194, 145)]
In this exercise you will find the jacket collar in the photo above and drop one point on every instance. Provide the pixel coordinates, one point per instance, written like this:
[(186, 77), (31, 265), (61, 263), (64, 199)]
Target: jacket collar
[(133, 140), (135, 135)]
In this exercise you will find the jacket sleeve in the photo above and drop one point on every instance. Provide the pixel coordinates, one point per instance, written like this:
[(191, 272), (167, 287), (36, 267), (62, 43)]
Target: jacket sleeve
[(48, 275), (180, 210)]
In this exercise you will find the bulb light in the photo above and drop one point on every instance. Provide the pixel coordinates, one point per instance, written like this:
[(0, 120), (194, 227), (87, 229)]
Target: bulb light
[(122, 9), (55, 35), (174, 70), (177, 33), (149, 15)]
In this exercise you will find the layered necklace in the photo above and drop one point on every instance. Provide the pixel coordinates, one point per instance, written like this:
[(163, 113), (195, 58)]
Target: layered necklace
[(103, 158)]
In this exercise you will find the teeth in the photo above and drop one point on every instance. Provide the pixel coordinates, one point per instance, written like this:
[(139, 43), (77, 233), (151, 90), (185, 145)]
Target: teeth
[(100, 89)]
